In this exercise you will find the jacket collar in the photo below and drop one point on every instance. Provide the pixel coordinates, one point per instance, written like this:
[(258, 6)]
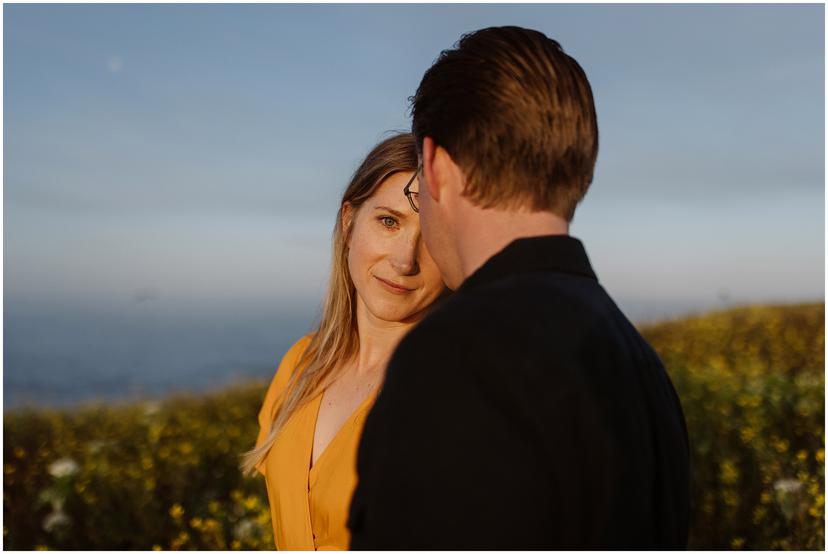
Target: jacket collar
[(556, 253)]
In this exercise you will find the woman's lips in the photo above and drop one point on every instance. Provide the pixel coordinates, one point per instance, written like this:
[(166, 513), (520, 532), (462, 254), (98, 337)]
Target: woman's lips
[(393, 287)]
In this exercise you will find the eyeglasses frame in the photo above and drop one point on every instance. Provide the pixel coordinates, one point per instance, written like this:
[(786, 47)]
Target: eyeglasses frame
[(410, 193)]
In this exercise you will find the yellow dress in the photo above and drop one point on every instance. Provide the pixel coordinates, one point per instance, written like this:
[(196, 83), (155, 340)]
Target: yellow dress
[(308, 505)]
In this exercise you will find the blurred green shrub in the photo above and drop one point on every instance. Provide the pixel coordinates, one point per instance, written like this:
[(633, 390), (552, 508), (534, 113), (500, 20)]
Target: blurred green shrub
[(163, 475), (752, 385), (153, 475)]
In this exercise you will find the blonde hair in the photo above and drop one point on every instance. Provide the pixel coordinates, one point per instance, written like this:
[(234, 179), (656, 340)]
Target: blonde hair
[(336, 339)]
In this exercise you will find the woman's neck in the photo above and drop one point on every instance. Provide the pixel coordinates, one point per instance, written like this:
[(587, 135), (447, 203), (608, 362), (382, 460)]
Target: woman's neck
[(377, 340)]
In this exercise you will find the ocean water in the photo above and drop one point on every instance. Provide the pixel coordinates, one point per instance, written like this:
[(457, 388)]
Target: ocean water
[(64, 356)]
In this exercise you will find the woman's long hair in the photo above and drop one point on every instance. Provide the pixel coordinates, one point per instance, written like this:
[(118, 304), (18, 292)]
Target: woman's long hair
[(336, 339)]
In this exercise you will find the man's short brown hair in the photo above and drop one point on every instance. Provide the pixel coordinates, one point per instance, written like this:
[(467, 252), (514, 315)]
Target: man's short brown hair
[(516, 113)]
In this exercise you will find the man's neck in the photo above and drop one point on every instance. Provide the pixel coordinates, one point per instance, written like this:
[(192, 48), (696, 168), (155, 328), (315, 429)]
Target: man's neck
[(483, 233)]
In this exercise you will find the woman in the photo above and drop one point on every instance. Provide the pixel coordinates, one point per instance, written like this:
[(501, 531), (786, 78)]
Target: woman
[(382, 282)]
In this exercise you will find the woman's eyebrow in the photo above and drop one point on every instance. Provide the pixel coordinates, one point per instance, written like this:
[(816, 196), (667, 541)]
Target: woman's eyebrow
[(392, 211)]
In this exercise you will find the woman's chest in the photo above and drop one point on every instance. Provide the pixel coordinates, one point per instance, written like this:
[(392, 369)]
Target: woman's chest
[(310, 504), (340, 403)]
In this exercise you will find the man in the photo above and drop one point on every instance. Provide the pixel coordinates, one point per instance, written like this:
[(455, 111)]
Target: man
[(525, 412)]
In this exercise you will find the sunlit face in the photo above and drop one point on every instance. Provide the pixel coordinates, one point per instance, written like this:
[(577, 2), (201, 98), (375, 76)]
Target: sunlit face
[(393, 273)]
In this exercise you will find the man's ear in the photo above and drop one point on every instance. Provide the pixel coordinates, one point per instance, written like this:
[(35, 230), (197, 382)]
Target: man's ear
[(432, 184), (440, 172)]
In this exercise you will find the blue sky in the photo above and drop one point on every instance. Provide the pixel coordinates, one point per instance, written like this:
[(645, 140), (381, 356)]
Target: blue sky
[(194, 155)]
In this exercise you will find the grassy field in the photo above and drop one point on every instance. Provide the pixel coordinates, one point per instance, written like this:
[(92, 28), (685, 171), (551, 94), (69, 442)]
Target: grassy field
[(163, 475)]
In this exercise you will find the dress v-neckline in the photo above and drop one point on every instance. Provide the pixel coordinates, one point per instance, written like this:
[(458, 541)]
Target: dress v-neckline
[(313, 465)]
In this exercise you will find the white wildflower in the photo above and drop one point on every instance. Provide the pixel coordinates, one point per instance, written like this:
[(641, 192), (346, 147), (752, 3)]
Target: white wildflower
[(243, 529), (64, 467), (787, 485), (54, 520)]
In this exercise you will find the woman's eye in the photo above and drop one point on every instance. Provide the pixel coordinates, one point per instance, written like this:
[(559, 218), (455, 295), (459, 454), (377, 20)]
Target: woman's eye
[(388, 222)]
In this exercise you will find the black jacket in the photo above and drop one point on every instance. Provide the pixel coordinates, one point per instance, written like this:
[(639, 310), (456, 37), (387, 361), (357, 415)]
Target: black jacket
[(525, 412)]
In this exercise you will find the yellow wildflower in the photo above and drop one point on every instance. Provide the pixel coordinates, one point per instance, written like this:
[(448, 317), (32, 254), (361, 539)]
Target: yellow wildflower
[(729, 472), (176, 511), (781, 445), (759, 514), (251, 502)]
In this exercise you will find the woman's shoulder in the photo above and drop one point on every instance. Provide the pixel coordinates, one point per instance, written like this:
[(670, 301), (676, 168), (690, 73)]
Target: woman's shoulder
[(295, 352), (283, 373), (291, 358)]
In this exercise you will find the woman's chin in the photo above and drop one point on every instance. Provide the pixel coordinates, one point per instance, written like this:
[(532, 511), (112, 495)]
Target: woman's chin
[(392, 313)]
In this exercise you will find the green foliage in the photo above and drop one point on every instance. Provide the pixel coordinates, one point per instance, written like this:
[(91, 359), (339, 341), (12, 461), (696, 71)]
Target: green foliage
[(165, 474), (752, 386), (143, 476)]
